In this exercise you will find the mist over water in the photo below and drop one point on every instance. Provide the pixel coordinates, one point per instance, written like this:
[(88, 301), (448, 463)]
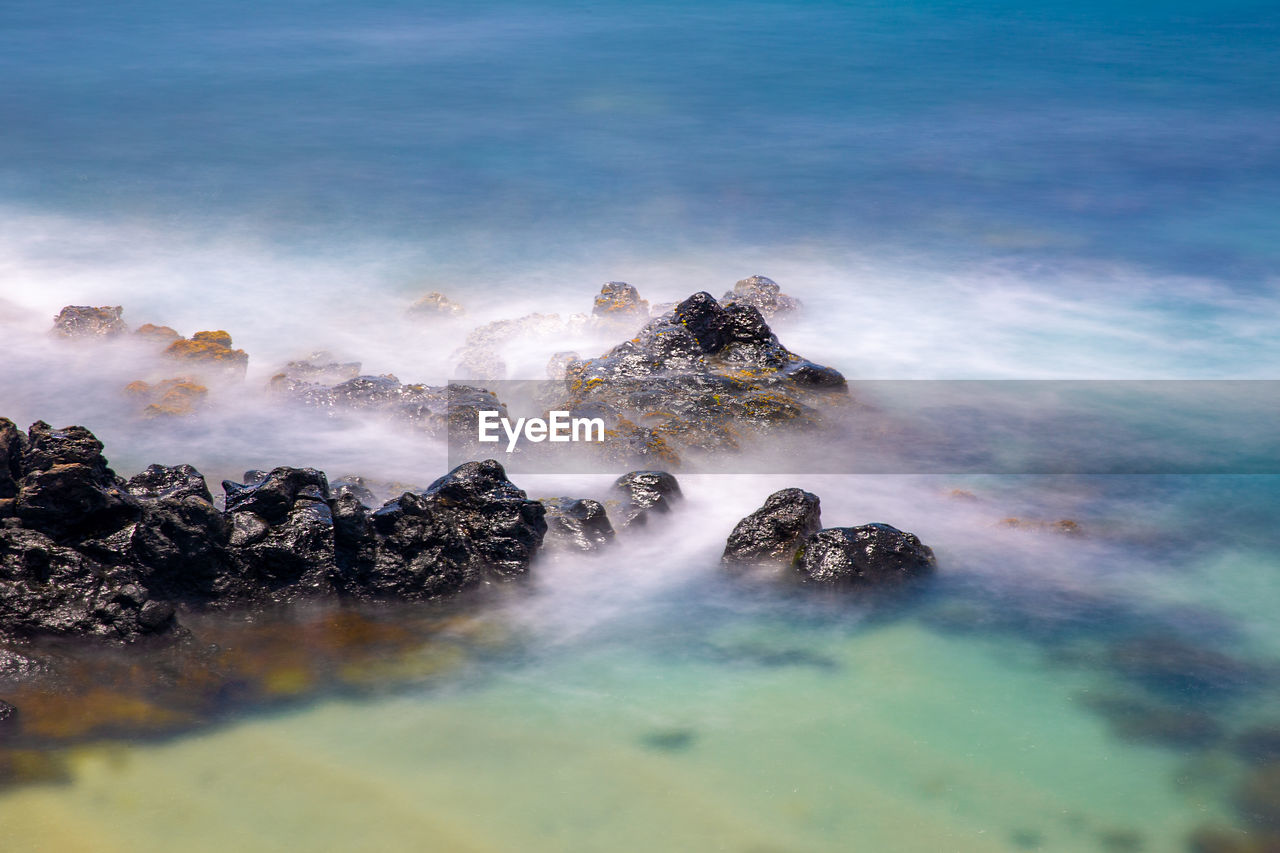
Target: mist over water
[(1061, 191)]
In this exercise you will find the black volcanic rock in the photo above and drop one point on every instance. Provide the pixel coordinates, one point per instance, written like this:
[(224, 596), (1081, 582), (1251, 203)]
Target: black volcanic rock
[(772, 533), (644, 493), (578, 523), (67, 489), (761, 293), (869, 554)]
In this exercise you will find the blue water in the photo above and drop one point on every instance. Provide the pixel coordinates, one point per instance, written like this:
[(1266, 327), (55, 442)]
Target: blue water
[(1137, 132), (1053, 190)]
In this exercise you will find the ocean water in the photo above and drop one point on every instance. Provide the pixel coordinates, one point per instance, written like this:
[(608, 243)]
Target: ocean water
[(1051, 191)]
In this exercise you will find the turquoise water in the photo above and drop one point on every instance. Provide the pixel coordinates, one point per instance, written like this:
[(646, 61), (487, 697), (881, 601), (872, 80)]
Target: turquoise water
[(1049, 191)]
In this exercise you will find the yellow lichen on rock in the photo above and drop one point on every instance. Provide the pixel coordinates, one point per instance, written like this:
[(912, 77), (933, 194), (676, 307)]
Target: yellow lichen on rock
[(159, 334), (217, 336)]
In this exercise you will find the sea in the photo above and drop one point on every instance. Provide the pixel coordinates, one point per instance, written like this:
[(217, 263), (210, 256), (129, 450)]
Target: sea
[(1079, 192)]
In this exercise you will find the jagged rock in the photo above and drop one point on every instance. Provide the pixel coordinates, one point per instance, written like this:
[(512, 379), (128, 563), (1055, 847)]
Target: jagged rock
[(580, 524), (644, 493), (319, 368), (618, 300), (868, 554), (437, 305), (559, 361), (67, 488), (761, 293), (774, 532), (52, 589), (180, 539), (357, 487), (693, 377), (169, 398), (13, 446), (83, 321)]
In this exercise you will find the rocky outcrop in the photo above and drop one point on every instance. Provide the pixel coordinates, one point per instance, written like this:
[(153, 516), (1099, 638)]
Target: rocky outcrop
[(773, 533), (85, 553), (436, 305), (868, 554), (618, 300), (84, 321), (698, 377)]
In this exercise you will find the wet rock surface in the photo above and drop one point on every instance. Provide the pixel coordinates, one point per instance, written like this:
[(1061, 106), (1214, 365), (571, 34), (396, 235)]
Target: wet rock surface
[(84, 553), (773, 533), (580, 524), (642, 494), (695, 378), (868, 554)]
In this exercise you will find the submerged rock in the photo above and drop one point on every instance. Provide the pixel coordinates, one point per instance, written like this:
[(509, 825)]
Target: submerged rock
[(1258, 798), (1217, 839), (868, 554), (577, 523), (774, 532), (436, 305), (763, 294), (84, 321)]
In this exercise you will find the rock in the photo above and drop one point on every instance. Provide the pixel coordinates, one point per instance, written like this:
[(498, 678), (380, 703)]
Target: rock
[(644, 493), (1143, 720), (559, 361), (67, 488), (480, 363), (868, 554), (13, 447), (157, 334), (436, 305), (470, 524), (212, 351), (762, 294), (1258, 798), (580, 524), (1169, 665), (1259, 744), (319, 368), (618, 300), (1216, 839), (8, 718), (693, 378), (180, 540), (774, 532), (169, 398), (83, 321)]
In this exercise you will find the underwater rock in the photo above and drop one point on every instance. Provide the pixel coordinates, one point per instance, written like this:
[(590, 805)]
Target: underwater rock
[(763, 294), (1216, 839), (436, 305), (1258, 798), (1138, 719), (1169, 665), (618, 300), (577, 523), (84, 321), (774, 532), (644, 493), (1259, 744), (868, 554)]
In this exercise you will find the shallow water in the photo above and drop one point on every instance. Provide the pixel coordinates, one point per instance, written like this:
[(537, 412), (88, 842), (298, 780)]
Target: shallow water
[(1056, 191)]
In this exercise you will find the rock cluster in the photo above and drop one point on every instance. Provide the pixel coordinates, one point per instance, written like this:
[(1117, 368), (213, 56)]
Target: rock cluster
[(86, 553), (696, 377), (787, 531)]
